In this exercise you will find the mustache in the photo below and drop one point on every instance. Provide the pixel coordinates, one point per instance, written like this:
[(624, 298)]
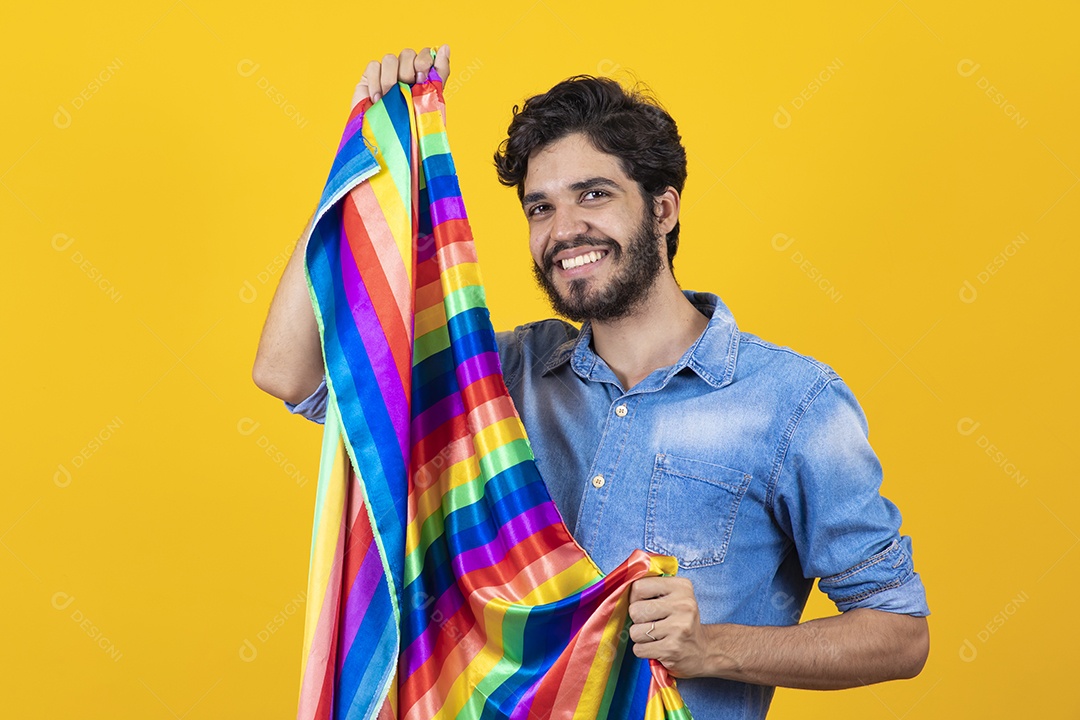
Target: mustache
[(579, 241)]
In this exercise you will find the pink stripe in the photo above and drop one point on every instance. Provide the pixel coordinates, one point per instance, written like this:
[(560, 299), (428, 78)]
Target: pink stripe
[(324, 639), (377, 225)]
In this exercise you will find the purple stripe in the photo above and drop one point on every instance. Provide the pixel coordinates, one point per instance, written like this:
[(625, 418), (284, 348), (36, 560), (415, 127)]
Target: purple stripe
[(376, 346), (523, 709), (425, 248), (451, 208), (478, 367), (510, 534), (423, 646), (359, 597), (351, 128), (449, 407)]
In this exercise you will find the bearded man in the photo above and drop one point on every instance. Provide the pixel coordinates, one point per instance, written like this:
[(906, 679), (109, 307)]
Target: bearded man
[(660, 425)]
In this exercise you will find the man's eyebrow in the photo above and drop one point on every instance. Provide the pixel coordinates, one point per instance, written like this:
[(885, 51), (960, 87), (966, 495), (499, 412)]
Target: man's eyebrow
[(595, 182), (578, 186)]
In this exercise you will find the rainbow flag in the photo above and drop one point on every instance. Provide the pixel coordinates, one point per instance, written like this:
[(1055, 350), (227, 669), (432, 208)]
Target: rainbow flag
[(443, 582)]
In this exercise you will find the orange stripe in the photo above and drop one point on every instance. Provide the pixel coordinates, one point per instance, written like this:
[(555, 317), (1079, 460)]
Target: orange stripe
[(376, 283)]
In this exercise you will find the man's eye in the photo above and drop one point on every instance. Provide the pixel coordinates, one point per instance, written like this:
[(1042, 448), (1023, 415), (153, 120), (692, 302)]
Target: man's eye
[(537, 209), (595, 193)]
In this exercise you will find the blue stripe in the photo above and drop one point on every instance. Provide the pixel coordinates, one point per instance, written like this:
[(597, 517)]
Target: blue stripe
[(364, 417), (373, 653)]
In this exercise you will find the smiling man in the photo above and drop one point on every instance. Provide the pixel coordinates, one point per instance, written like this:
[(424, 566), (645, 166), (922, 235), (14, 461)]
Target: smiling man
[(660, 425)]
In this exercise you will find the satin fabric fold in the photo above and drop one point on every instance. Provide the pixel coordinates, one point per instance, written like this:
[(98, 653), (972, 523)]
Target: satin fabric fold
[(443, 582)]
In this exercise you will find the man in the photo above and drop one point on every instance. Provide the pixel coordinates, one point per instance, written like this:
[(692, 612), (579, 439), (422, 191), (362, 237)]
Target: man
[(660, 425)]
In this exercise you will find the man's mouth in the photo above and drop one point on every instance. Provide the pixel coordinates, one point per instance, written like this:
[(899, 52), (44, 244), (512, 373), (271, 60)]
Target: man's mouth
[(585, 259)]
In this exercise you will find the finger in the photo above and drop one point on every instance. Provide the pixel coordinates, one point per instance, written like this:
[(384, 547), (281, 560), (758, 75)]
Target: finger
[(369, 80), (646, 650), (360, 93), (442, 62), (640, 633), (388, 77), (422, 64), (649, 587), (647, 611), (405, 66)]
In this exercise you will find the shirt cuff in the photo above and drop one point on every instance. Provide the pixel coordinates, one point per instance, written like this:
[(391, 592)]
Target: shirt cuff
[(313, 407), (886, 581)]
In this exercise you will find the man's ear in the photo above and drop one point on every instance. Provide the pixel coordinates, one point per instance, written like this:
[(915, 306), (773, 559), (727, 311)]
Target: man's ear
[(666, 209)]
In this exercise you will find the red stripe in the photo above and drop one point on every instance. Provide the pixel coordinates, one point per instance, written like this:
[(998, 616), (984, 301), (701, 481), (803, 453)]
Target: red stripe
[(357, 544), (483, 390)]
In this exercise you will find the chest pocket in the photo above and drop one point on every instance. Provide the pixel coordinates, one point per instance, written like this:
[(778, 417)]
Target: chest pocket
[(692, 508)]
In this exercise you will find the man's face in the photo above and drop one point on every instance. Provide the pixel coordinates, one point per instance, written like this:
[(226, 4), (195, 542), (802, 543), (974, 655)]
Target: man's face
[(594, 241)]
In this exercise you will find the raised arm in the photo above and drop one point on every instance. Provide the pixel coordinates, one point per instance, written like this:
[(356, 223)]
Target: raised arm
[(288, 362)]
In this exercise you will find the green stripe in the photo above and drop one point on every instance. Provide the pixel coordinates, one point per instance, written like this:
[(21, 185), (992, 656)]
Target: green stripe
[(463, 495), (505, 456), (513, 628), (682, 713), (414, 562), (464, 298), (435, 144), (395, 157), (613, 675), (430, 343)]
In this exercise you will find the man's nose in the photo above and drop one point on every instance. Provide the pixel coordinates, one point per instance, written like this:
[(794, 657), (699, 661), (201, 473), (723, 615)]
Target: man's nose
[(568, 223)]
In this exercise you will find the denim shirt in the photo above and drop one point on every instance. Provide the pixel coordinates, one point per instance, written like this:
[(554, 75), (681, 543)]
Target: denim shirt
[(746, 461)]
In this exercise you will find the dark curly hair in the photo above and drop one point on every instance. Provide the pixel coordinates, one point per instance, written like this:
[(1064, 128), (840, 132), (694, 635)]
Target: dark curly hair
[(627, 123)]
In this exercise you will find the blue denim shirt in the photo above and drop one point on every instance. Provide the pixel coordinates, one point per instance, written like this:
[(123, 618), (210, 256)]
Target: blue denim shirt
[(746, 461)]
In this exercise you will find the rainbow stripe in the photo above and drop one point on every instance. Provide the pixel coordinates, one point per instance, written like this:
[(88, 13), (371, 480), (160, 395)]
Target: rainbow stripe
[(443, 582)]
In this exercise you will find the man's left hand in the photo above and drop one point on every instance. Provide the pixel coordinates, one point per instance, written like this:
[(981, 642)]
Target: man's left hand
[(666, 609)]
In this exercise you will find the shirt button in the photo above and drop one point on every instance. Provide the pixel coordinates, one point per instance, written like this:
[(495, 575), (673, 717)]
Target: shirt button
[(598, 482), (621, 410)]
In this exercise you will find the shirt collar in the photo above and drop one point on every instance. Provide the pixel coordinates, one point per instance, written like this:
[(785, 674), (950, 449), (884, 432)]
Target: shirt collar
[(712, 356)]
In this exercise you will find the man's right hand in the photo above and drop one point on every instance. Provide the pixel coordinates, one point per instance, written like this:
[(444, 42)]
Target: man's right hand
[(408, 67), (289, 361)]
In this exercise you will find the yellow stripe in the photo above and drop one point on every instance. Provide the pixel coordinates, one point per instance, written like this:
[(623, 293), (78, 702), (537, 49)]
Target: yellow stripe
[(322, 560), (481, 665), (430, 123), (496, 435), (430, 319), (458, 276), (596, 681), (398, 217), (561, 584), (430, 501), (663, 564)]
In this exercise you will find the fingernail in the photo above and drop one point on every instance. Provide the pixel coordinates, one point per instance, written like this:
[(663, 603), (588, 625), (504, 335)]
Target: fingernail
[(375, 97)]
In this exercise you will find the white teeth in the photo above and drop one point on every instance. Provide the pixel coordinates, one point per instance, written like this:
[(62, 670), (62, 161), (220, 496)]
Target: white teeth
[(582, 260)]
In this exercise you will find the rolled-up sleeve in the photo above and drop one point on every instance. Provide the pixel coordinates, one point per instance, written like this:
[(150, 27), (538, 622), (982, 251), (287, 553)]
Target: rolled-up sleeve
[(313, 407), (828, 500)]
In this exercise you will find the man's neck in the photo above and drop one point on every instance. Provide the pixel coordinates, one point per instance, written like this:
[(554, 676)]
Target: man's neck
[(655, 335)]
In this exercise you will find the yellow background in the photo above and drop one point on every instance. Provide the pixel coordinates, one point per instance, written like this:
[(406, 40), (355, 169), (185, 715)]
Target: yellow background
[(157, 506)]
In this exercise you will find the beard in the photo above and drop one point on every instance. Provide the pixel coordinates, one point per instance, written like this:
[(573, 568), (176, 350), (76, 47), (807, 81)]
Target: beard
[(634, 271)]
